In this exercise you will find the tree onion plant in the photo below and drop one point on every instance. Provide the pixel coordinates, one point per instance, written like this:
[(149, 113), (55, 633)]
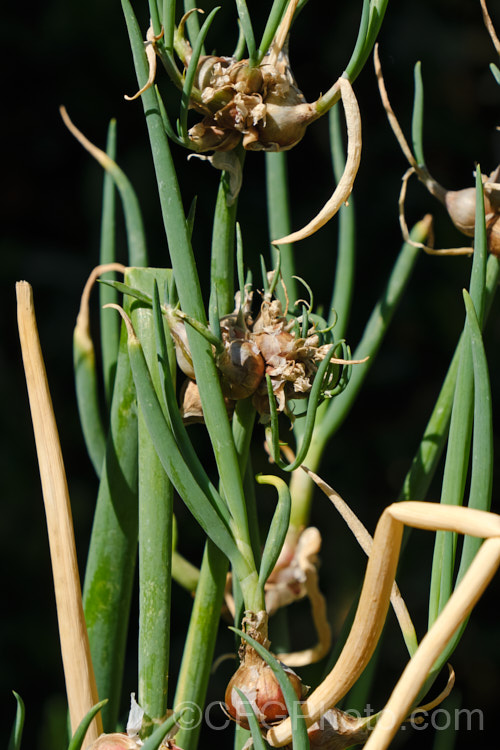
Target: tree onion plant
[(268, 375)]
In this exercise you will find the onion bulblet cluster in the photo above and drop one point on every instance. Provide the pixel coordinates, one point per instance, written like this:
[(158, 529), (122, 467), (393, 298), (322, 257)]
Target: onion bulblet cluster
[(248, 353), (261, 106)]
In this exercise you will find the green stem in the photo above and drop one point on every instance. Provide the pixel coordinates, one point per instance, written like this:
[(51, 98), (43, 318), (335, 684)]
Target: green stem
[(424, 464), (184, 573), (111, 560), (188, 287), (155, 530), (279, 221), (87, 396), (458, 453), (346, 249), (223, 234), (243, 424), (110, 331), (199, 647), (455, 473), (17, 728)]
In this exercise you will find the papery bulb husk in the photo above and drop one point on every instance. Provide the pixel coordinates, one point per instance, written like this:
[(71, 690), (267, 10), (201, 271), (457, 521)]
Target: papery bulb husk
[(114, 741), (210, 67), (270, 314), (283, 126), (461, 207), (246, 79), (260, 685), (275, 344), (207, 136), (190, 404), (336, 730), (493, 235), (179, 335), (242, 369)]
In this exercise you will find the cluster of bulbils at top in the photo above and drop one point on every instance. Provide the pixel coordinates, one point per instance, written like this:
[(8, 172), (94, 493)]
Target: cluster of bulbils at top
[(257, 103), (254, 102), (260, 106), (249, 350)]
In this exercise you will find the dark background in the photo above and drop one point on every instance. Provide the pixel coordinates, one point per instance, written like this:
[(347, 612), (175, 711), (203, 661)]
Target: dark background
[(77, 54)]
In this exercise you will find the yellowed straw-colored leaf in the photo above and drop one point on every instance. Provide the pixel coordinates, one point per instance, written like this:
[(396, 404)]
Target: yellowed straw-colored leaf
[(78, 671), (307, 553), (372, 609), (82, 328), (149, 46), (406, 232), (282, 33), (365, 541), (344, 187), (489, 25)]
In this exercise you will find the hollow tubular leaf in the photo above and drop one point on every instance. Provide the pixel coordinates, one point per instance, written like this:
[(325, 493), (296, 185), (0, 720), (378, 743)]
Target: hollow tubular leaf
[(87, 397), (109, 329), (425, 462), (154, 16), (86, 380), (171, 457), (482, 464), (154, 741), (312, 406), (246, 25), (482, 454), (346, 247), (258, 742), (279, 221), (190, 74), (278, 528), (155, 527), (76, 742), (477, 287), (169, 130), (272, 23), (110, 567), (176, 424), (188, 287), (223, 233), (192, 21), (197, 658), (169, 24), (371, 21), (417, 122), (458, 452), (360, 39), (17, 728)]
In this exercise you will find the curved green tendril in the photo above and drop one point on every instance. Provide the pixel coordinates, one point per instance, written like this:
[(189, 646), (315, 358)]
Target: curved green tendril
[(312, 406)]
